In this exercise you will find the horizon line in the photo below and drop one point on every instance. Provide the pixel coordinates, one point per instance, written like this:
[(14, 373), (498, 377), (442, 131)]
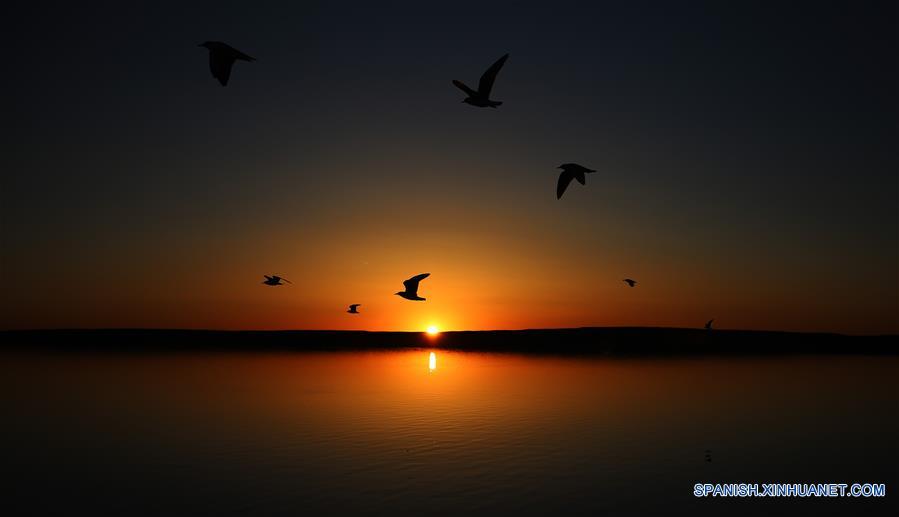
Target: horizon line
[(532, 329)]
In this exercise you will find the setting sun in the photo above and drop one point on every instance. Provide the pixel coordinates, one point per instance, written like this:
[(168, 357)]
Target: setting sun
[(432, 330)]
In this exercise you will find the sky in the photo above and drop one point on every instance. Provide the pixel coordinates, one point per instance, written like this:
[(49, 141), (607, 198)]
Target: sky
[(746, 155)]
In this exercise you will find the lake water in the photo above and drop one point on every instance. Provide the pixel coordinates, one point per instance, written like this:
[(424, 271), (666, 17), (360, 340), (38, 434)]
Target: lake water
[(440, 432)]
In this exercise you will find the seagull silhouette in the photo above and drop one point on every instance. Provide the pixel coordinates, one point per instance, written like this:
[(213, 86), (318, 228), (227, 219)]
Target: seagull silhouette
[(481, 97), (570, 171), (352, 309), (708, 324), (274, 280), (221, 58), (630, 282), (411, 285)]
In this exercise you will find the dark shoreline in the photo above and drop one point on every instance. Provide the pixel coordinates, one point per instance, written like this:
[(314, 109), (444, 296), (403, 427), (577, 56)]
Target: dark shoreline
[(612, 341)]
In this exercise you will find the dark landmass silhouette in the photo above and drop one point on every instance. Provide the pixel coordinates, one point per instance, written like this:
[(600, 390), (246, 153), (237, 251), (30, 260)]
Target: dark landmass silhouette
[(609, 341)]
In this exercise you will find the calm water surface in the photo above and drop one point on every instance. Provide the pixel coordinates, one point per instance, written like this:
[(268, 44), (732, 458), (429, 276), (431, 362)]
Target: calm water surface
[(439, 432)]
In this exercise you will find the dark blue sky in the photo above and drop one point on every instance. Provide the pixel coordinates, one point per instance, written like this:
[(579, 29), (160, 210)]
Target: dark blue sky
[(740, 144)]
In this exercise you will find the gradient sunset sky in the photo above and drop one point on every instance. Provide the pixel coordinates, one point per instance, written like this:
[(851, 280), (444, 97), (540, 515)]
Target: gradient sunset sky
[(747, 158)]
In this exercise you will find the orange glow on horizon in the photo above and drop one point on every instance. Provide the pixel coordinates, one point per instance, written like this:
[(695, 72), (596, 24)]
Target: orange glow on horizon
[(478, 282)]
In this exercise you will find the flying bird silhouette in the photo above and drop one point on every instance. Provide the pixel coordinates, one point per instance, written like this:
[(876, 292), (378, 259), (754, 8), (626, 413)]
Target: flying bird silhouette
[(222, 58), (630, 282), (708, 324), (411, 285), (274, 280), (571, 171), (352, 309), (481, 97)]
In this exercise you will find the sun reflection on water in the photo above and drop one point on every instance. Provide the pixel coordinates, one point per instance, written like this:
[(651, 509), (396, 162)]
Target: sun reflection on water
[(432, 362)]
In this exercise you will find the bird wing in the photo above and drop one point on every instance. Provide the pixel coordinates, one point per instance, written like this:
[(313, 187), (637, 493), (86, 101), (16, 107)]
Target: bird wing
[(268, 277), (412, 283), (220, 66), (353, 306), (564, 179), (489, 76), (573, 167), (286, 280), (236, 54), (462, 86)]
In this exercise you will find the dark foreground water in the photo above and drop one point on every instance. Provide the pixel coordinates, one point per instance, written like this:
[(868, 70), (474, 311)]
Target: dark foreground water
[(405, 432)]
